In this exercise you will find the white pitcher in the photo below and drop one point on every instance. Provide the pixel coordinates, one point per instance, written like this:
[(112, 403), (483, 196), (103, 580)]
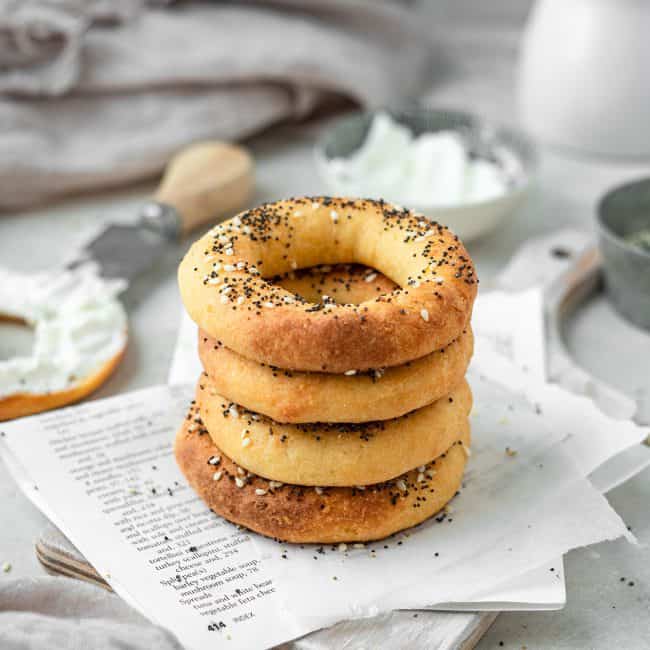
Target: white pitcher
[(584, 75)]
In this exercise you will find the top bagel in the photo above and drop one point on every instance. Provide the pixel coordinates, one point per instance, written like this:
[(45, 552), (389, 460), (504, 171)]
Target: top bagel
[(223, 286)]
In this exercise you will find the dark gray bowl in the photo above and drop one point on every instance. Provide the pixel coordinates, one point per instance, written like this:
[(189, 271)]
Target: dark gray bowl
[(622, 212)]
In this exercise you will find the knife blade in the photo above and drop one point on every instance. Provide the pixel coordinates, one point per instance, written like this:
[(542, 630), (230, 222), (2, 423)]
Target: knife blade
[(126, 250)]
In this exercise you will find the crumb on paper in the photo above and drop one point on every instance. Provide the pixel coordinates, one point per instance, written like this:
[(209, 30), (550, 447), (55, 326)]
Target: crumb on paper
[(511, 452), (6, 567)]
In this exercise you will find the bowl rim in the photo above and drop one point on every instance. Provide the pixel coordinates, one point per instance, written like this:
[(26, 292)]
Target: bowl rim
[(529, 163), (605, 230)]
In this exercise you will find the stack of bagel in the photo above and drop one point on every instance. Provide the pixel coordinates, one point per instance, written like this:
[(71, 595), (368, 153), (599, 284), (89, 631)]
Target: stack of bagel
[(334, 336)]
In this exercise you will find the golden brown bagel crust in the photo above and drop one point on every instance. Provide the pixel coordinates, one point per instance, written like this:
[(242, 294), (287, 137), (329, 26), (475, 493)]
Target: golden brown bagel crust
[(22, 404), (333, 454), (296, 396), (303, 515), (223, 287)]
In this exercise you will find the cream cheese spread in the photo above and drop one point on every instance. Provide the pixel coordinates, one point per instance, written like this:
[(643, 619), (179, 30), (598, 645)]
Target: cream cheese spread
[(429, 170), (78, 322)]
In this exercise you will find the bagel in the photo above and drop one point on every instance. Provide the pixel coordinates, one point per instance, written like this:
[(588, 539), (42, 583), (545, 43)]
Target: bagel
[(225, 285), (297, 396), (330, 454), (80, 332), (313, 515)]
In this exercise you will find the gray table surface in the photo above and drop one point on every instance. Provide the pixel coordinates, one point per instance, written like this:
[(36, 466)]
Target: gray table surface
[(602, 610)]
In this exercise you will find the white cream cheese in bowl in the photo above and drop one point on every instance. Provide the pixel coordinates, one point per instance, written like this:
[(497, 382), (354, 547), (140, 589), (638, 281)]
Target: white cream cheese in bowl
[(79, 326), (448, 165)]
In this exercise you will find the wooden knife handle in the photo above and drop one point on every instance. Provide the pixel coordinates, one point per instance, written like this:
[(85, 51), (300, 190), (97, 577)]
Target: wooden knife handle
[(207, 182)]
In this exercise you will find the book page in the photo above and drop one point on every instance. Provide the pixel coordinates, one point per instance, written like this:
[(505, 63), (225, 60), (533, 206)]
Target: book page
[(110, 478)]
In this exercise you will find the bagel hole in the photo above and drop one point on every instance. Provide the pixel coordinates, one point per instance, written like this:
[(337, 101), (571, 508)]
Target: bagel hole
[(313, 282), (16, 338)]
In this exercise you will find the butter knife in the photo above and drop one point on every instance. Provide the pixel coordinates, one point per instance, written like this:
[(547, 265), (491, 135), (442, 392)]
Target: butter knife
[(202, 184)]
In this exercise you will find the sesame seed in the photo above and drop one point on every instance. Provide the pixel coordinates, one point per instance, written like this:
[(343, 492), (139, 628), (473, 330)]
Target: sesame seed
[(319, 490), (240, 300), (232, 410), (297, 213), (269, 304), (425, 315), (224, 299), (241, 471), (315, 205), (260, 492), (401, 485), (275, 484), (359, 545), (237, 221), (229, 251), (216, 266), (217, 475), (334, 215), (214, 460), (467, 450), (239, 482), (342, 547), (349, 373), (421, 468), (246, 442), (214, 280), (420, 477), (371, 277), (294, 264)]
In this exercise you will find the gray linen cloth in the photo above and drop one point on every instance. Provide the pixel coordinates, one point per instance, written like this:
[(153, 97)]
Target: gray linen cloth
[(61, 613), (97, 93)]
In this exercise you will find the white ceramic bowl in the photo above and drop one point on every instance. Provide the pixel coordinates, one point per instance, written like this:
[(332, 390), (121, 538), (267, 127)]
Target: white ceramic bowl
[(483, 140)]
